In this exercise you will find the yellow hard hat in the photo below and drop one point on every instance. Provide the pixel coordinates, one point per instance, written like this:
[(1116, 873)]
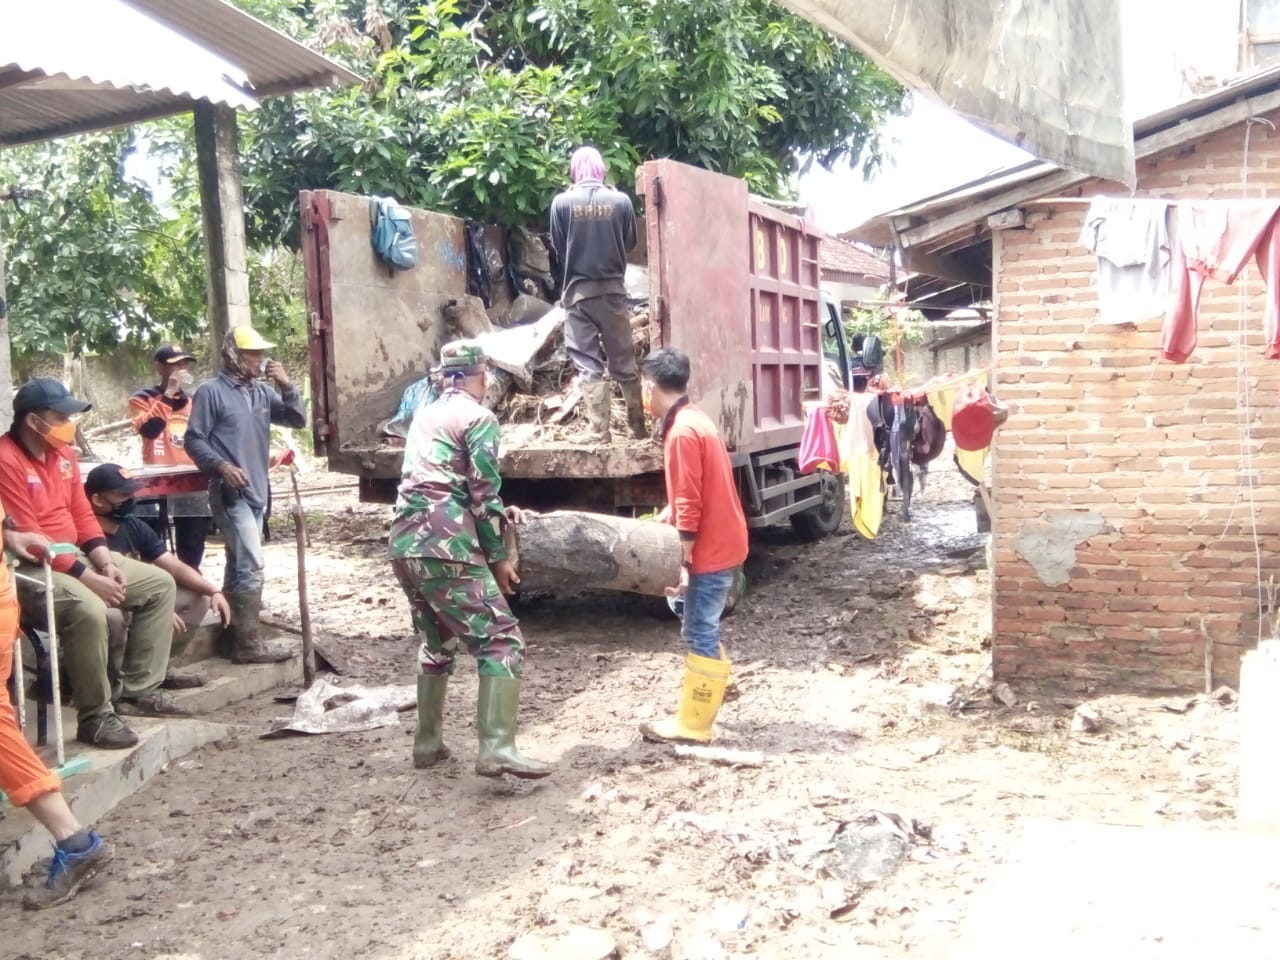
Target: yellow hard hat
[(248, 338)]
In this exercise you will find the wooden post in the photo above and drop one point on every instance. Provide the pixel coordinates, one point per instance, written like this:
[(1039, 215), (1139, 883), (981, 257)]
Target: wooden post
[(222, 213), (304, 606), (579, 551)]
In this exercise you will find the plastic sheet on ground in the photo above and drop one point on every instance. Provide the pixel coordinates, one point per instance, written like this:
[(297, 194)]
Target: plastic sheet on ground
[(325, 707)]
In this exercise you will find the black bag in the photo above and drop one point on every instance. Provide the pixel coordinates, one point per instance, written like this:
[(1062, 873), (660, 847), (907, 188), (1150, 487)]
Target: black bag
[(484, 263), (872, 353), (528, 258)]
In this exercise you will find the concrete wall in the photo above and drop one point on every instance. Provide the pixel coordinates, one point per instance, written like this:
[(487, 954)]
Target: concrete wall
[(1122, 481)]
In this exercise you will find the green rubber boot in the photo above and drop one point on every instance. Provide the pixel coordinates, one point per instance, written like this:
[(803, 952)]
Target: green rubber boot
[(497, 704), (428, 735)]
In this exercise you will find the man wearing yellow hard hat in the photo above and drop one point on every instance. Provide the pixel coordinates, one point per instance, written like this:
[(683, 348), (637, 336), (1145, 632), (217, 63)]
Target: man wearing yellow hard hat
[(229, 439)]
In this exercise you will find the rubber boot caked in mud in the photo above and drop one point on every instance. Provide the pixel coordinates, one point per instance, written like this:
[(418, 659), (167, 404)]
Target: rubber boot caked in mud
[(497, 705), (428, 735)]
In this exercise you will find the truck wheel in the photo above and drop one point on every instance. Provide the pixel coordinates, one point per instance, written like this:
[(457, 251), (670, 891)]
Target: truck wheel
[(817, 522)]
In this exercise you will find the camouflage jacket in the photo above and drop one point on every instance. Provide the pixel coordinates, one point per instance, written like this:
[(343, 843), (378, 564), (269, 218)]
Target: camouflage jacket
[(448, 506)]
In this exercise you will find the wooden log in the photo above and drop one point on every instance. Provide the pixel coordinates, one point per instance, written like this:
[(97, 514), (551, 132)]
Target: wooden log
[(593, 551)]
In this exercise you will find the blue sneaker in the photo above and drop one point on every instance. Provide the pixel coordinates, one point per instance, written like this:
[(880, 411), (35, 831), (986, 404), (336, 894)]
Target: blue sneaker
[(69, 871)]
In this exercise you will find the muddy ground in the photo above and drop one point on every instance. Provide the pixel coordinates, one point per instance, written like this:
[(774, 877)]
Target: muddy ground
[(892, 783)]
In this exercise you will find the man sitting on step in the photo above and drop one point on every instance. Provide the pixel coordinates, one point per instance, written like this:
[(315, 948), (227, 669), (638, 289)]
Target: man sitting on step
[(41, 488), (111, 490)]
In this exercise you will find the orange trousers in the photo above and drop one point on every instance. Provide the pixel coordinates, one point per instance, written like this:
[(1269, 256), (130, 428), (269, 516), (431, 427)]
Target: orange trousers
[(23, 777)]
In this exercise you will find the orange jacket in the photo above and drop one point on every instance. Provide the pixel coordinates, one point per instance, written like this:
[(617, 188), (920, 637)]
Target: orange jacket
[(47, 496), (701, 490)]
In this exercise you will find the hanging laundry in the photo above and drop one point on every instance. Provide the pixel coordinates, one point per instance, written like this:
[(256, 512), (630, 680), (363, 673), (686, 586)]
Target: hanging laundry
[(860, 461), (1216, 238), (818, 449), (1131, 241)]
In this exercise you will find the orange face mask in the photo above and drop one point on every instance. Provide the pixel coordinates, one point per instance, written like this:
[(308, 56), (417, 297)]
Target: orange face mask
[(56, 435)]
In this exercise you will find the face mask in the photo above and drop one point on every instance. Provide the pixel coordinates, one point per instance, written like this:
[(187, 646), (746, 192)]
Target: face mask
[(56, 435), (646, 398), (123, 510), (262, 367)]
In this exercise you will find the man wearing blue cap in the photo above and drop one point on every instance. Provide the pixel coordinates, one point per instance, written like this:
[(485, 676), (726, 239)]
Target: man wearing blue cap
[(41, 489)]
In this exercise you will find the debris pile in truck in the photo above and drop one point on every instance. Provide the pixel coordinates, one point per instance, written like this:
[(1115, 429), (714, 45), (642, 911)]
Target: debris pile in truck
[(552, 401)]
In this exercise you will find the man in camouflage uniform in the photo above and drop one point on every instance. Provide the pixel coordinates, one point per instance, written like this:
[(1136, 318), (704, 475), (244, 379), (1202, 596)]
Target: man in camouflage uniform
[(447, 552)]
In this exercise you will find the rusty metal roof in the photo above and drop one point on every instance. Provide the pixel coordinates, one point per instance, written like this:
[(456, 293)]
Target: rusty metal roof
[(68, 66), (845, 257)]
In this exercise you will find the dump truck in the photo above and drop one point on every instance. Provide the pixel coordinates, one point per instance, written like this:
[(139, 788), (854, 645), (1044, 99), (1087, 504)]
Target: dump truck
[(733, 282)]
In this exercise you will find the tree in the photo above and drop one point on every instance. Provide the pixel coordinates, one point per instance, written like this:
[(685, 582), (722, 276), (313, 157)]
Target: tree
[(474, 108), (91, 260)]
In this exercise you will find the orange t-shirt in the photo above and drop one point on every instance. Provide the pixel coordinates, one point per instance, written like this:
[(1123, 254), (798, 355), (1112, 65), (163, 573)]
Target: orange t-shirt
[(701, 490), (162, 424), (6, 578)]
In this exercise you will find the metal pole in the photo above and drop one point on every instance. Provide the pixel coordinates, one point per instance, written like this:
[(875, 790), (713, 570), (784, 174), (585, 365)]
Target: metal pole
[(55, 679)]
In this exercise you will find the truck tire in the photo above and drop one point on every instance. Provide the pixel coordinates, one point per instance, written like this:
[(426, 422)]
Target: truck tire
[(824, 519)]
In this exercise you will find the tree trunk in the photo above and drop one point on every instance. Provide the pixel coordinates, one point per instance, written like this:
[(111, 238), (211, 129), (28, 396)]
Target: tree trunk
[(580, 551)]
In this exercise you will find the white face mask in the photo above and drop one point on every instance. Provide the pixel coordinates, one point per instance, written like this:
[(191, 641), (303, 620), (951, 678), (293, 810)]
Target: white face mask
[(262, 367)]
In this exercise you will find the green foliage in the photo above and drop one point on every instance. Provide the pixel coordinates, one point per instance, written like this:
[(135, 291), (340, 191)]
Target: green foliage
[(908, 327), (475, 108), (90, 259)]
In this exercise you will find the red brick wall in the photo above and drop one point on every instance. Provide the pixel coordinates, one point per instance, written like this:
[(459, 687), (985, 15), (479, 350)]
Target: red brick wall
[(1102, 433)]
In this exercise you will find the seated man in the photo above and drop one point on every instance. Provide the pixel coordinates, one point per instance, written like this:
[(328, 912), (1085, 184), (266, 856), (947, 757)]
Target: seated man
[(41, 488), (110, 490)]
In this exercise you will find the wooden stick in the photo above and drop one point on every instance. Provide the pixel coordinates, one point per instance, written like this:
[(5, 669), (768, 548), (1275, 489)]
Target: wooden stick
[(107, 428), (304, 609), (721, 755)]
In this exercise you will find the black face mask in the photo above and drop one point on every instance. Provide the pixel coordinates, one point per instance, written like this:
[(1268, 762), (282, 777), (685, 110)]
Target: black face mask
[(125, 510)]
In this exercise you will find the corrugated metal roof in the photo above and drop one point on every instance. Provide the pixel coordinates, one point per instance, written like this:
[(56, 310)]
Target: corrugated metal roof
[(274, 62), (878, 231), (67, 66)]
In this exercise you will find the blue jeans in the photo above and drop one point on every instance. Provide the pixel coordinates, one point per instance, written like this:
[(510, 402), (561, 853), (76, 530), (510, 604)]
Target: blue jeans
[(704, 602), (241, 526)]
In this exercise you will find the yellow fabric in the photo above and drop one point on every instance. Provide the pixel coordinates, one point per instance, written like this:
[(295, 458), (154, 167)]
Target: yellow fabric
[(942, 397), (861, 464), (248, 338)]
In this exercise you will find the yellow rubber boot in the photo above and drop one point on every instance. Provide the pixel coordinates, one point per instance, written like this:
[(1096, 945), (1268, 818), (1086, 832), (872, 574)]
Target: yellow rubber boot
[(700, 700)]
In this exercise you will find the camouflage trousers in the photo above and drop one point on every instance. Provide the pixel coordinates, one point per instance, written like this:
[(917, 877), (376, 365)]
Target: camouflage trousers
[(460, 601)]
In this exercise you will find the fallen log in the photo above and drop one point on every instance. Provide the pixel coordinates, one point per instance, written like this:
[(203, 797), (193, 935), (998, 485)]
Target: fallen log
[(571, 550)]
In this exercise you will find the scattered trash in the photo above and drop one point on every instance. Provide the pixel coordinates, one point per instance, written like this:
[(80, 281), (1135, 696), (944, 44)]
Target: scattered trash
[(721, 756), (1005, 695), (326, 708), (729, 917), (573, 943), (1086, 719), (657, 936), (929, 748), (937, 697)]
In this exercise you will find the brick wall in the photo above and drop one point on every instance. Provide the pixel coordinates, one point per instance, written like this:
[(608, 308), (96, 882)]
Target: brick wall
[(1137, 465)]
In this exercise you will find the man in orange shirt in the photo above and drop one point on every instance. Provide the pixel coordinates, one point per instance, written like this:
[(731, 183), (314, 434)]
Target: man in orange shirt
[(160, 416), (78, 852), (703, 505), (41, 488)]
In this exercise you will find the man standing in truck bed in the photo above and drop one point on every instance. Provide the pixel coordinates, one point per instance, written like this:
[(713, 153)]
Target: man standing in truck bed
[(593, 227)]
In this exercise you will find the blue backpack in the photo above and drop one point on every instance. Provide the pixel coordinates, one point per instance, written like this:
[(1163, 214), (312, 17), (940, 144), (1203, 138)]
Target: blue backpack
[(392, 234)]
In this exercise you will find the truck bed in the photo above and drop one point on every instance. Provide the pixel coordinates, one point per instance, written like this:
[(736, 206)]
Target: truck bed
[(524, 456)]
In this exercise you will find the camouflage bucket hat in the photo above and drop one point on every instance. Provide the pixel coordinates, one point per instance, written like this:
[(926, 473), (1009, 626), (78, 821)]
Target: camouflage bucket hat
[(461, 356)]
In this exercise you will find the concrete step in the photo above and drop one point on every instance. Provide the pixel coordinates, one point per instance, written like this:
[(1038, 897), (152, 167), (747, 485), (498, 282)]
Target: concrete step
[(113, 776), (227, 683), (116, 774)]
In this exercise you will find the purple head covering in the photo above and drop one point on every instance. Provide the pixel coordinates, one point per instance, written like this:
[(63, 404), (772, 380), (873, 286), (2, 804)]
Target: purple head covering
[(586, 164)]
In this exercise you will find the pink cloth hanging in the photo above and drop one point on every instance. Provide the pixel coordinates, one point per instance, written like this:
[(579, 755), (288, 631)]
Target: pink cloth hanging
[(818, 448)]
